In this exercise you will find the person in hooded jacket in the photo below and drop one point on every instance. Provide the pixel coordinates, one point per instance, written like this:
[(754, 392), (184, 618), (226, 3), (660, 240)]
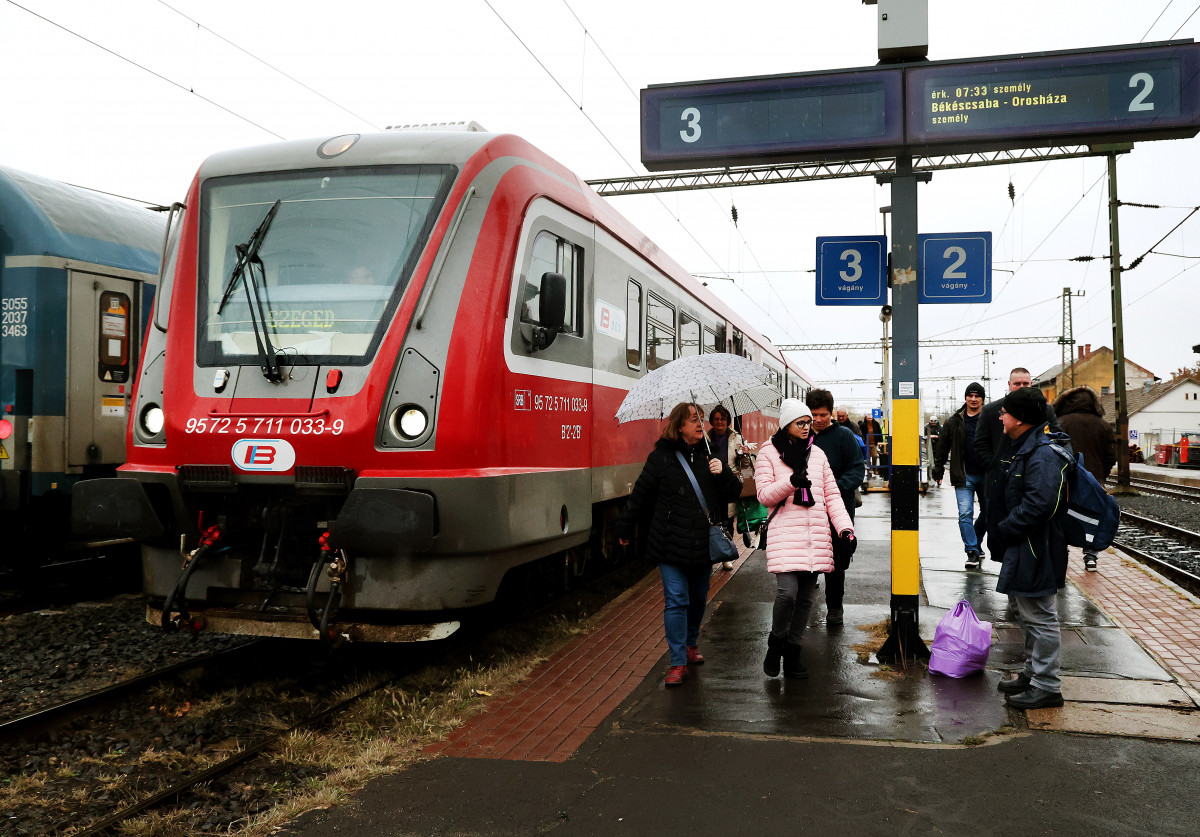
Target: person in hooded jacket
[(1082, 418), (796, 483), (1032, 491), (726, 445), (677, 534)]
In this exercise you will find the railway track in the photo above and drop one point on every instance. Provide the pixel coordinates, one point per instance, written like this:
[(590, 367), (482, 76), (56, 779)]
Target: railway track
[(1171, 550), (1178, 491), (41, 721)]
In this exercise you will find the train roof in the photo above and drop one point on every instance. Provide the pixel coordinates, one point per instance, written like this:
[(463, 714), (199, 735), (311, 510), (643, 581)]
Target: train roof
[(381, 148), (42, 217)]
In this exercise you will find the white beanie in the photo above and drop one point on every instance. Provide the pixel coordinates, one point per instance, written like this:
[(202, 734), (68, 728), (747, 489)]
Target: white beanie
[(790, 410)]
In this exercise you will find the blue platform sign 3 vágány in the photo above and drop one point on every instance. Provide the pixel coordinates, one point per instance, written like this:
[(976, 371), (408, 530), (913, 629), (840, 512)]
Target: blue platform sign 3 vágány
[(851, 270)]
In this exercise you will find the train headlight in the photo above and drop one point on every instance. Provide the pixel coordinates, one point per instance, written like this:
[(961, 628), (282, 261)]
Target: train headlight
[(409, 422), (152, 420)]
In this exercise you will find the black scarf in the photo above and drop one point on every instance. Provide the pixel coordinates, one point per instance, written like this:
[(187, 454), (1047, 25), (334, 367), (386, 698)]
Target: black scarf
[(794, 454)]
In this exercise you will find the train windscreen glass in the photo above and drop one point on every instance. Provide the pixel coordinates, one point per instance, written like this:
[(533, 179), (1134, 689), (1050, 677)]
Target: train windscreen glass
[(329, 270)]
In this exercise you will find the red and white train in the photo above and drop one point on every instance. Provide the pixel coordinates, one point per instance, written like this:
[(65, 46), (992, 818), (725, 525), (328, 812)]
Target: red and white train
[(382, 374)]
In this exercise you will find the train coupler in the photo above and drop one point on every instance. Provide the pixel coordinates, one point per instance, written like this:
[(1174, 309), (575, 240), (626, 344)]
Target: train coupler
[(335, 564), (184, 620)]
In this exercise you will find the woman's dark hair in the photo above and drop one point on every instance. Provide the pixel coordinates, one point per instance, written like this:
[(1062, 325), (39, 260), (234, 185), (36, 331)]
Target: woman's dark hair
[(722, 411), (679, 414)]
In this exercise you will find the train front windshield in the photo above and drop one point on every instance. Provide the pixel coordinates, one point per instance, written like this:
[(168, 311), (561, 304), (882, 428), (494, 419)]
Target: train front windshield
[(321, 276)]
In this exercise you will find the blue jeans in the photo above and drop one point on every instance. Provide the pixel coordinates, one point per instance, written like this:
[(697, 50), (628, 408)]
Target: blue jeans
[(685, 594), (969, 526)]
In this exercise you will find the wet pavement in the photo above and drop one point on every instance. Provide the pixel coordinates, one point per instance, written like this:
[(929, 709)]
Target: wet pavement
[(856, 748)]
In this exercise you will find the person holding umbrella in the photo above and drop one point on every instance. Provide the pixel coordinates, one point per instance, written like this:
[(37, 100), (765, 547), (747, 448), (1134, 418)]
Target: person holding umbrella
[(796, 482), (726, 445), (677, 533)]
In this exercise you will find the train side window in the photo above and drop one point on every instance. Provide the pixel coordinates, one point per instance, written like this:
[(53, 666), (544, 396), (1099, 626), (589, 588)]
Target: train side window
[(737, 342), (552, 254), (712, 343), (660, 332), (689, 336), (633, 325), (115, 313)]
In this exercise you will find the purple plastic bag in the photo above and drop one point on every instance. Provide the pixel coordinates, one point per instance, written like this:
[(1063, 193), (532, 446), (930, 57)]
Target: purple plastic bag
[(961, 643)]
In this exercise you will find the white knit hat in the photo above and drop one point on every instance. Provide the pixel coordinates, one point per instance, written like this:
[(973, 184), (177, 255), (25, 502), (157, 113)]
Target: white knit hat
[(790, 410)]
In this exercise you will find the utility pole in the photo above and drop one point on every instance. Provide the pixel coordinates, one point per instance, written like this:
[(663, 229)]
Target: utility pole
[(1122, 399), (1067, 339)]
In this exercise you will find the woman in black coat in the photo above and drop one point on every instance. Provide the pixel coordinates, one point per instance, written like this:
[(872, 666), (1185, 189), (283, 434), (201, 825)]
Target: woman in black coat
[(677, 537)]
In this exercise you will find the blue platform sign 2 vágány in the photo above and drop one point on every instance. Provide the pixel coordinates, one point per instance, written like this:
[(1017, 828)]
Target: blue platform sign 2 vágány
[(954, 267)]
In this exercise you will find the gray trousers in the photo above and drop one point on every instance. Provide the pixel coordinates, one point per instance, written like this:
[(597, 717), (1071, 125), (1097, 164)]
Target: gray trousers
[(793, 604), (1038, 616)]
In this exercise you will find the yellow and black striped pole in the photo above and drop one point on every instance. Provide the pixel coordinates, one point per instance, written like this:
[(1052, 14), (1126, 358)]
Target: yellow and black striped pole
[(904, 637)]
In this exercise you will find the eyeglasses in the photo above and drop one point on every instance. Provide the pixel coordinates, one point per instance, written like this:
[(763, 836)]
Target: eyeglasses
[(803, 422)]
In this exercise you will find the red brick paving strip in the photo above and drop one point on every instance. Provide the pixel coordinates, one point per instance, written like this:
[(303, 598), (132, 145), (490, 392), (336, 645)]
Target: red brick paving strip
[(1165, 620), (558, 704)]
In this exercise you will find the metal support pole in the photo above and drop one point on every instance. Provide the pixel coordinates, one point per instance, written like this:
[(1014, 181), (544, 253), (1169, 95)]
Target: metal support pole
[(904, 639), (1119, 394)]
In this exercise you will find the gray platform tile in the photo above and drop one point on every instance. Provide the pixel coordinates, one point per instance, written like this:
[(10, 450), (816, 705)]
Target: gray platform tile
[(1113, 690), (1109, 719)]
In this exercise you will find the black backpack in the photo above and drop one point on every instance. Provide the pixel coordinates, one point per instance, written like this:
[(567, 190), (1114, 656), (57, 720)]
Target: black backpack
[(1092, 514)]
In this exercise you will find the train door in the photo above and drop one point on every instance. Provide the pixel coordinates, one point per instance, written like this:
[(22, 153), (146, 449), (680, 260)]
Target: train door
[(102, 339)]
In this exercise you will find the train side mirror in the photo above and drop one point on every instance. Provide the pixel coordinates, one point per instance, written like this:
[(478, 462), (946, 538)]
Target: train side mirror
[(552, 309)]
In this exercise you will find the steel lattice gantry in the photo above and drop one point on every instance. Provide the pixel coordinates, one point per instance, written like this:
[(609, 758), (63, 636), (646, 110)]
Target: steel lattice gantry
[(798, 172), (924, 344)]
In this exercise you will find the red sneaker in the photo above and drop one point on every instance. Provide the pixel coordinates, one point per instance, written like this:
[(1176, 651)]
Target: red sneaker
[(694, 657), (675, 675)]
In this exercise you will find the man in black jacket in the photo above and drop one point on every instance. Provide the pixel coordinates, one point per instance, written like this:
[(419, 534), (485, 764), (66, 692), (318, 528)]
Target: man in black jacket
[(1028, 534), (842, 449), (992, 446), (956, 441)]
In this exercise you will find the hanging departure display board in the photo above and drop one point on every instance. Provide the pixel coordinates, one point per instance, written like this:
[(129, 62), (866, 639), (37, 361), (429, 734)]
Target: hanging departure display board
[(846, 114), (1109, 94), (1120, 95)]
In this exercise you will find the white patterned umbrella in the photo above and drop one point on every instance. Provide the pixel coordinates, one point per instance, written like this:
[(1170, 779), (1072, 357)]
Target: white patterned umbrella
[(737, 382)]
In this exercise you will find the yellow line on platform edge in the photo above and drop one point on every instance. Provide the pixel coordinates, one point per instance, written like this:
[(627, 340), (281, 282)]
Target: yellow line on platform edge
[(906, 563)]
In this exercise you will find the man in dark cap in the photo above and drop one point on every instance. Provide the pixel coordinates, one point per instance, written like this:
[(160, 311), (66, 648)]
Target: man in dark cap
[(1032, 491), (993, 448), (957, 441)]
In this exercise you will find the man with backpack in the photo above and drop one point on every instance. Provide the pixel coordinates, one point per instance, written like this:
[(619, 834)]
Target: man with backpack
[(1032, 492)]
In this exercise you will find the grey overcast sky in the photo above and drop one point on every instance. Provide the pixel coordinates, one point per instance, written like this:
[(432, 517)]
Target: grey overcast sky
[(129, 96)]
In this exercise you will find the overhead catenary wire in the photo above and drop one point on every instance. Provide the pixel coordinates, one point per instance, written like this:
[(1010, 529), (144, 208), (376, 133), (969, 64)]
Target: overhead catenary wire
[(146, 69)]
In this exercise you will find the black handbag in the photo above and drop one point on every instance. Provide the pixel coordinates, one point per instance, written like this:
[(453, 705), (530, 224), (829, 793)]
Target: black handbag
[(720, 547)]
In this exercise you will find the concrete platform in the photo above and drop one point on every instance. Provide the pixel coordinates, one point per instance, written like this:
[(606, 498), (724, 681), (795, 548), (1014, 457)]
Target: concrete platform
[(855, 749)]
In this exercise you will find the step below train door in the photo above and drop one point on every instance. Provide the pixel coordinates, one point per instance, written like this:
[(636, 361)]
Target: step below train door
[(102, 351)]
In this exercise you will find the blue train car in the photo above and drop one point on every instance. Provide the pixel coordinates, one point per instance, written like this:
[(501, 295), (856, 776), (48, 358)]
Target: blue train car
[(78, 272)]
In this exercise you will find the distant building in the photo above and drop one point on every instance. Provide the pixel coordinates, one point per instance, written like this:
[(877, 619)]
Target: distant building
[(1158, 413), (1093, 369)]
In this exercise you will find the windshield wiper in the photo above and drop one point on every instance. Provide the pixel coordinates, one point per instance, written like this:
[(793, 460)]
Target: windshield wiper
[(243, 269)]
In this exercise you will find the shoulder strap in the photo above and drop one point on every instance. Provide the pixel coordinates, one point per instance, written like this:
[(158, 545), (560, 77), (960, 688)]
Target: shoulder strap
[(695, 485)]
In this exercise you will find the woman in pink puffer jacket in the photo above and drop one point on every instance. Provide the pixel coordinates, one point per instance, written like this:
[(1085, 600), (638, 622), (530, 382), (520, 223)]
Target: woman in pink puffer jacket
[(796, 484)]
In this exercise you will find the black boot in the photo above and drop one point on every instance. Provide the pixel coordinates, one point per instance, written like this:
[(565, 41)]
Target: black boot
[(774, 654), (793, 668)]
